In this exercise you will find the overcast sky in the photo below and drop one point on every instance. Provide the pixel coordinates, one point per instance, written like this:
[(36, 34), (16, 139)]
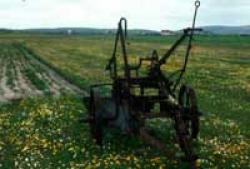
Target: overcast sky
[(147, 14)]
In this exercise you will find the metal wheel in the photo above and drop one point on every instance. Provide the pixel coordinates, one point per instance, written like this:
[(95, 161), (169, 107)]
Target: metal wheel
[(184, 140), (190, 113), (95, 122)]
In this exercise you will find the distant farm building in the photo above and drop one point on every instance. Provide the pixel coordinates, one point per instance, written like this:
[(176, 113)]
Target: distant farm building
[(167, 32), (69, 32)]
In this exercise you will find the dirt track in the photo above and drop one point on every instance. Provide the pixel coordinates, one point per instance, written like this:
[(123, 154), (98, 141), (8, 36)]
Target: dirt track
[(21, 75)]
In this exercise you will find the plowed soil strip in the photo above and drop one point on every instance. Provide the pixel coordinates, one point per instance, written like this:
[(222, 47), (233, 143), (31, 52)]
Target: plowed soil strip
[(32, 78)]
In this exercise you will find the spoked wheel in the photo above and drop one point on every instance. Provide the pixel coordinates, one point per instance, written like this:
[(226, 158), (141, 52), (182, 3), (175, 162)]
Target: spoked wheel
[(184, 141), (187, 123), (190, 113)]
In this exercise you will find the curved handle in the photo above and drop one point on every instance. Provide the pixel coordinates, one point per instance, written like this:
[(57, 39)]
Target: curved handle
[(123, 22)]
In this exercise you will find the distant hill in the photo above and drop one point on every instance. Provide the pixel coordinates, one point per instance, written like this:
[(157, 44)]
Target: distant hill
[(220, 30), (5, 30), (227, 30), (89, 31)]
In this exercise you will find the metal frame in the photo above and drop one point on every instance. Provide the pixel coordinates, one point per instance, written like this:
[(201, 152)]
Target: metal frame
[(139, 105)]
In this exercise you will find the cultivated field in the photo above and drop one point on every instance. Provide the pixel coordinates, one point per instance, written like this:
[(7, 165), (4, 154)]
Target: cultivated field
[(24, 76), (43, 132)]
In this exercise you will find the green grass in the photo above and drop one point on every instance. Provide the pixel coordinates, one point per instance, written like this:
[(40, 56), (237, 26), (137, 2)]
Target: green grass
[(35, 80), (45, 131), (10, 74), (10, 71)]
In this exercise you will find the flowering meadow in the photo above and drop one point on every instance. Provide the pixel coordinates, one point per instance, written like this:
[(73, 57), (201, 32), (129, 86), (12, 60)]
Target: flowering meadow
[(44, 132)]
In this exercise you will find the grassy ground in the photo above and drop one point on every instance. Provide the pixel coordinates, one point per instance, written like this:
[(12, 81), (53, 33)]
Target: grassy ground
[(45, 133)]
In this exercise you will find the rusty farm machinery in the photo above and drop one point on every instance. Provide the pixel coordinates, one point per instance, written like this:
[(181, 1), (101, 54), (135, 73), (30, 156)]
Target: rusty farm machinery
[(129, 103)]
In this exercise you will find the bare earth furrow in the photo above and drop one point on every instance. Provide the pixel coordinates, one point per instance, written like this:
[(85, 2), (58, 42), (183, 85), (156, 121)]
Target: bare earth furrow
[(8, 94), (21, 76), (26, 88)]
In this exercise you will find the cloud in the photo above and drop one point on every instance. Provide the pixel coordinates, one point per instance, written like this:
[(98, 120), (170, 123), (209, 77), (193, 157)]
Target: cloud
[(156, 14), (225, 12)]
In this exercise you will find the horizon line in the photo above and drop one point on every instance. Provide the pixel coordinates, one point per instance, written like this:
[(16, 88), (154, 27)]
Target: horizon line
[(110, 28)]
